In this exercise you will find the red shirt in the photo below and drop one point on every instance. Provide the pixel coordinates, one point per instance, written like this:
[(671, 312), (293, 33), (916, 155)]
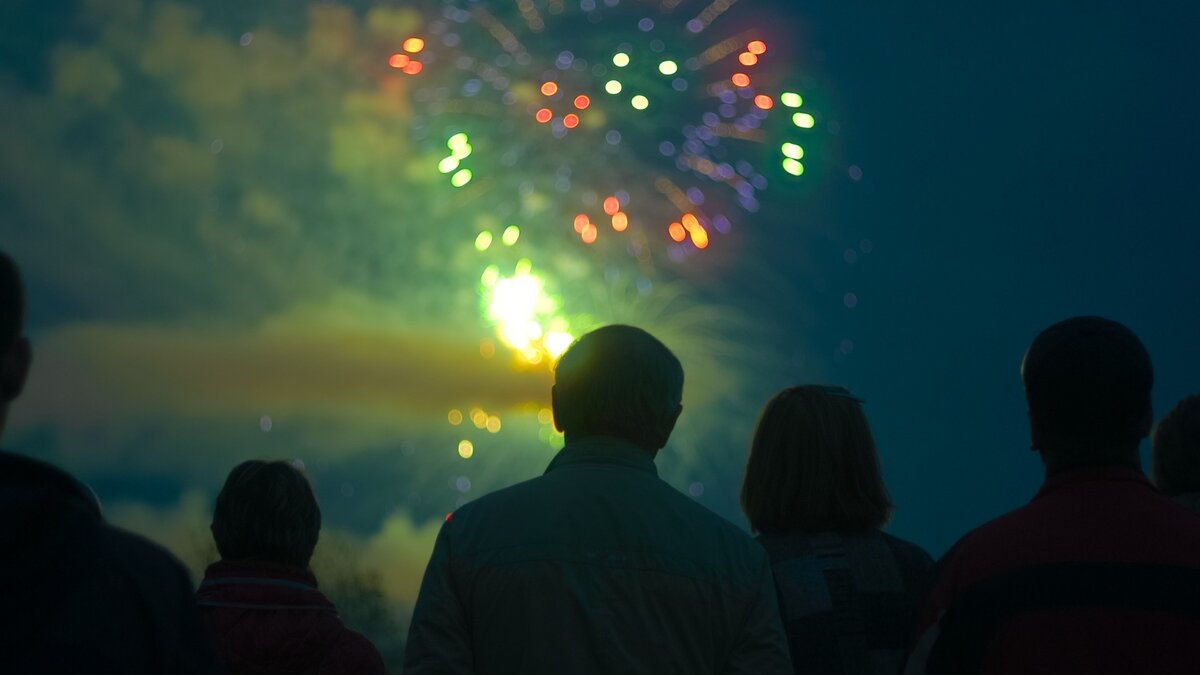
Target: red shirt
[(267, 619), (1098, 573)]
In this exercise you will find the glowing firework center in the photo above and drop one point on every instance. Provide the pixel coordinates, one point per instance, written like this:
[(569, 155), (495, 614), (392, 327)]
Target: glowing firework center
[(526, 318), (570, 118)]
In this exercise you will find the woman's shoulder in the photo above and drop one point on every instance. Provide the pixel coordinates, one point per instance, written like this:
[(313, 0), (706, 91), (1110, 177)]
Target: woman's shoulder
[(907, 553)]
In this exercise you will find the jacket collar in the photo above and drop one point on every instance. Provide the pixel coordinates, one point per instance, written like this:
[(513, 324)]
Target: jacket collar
[(603, 451), (223, 571), (260, 585), (1093, 475)]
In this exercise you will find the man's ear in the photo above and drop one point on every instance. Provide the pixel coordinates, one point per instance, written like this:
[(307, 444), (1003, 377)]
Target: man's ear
[(1035, 432), (1146, 423), (666, 427), (15, 369), (554, 408)]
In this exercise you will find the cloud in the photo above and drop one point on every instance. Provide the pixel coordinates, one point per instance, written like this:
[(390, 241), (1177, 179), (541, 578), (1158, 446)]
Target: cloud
[(326, 360)]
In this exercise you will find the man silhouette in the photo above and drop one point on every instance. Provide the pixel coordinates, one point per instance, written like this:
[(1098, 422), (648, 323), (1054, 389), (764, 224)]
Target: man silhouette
[(598, 566), (79, 595), (1099, 573)]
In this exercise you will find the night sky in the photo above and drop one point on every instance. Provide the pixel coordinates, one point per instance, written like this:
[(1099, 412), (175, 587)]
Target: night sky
[(994, 170)]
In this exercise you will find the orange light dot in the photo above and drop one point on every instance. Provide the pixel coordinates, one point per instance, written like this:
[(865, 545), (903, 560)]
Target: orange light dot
[(757, 47), (589, 233), (581, 222), (413, 68), (570, 120), (544, 115), (398, 61), (741, 80), (676, 231), (549, 88), (620, 221), (690, 222), (612, 205), (487, 349), (582, 102), (764, 102), (414, 45), (700, 238), (747, 59)]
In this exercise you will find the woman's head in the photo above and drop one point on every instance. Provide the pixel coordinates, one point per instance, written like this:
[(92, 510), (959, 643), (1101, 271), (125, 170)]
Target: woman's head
[(813, 465)]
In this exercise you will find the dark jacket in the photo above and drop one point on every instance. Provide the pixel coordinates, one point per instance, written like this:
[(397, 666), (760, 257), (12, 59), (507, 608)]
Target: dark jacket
[(849, 601), (267, 619), (1098, 574), (598, 566), (80, 596)]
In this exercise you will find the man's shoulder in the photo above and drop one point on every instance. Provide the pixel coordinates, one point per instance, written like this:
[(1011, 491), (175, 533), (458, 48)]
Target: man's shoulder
[(140, 555)]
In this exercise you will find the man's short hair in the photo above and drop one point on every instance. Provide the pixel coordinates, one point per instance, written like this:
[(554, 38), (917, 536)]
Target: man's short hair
[(813, 465), (1177, 448), (267, 512), (12, 302), (617, 381), (1088, 381)]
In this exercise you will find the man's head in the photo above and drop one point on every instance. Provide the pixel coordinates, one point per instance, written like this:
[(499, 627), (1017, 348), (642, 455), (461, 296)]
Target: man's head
[(1087, 382), (15, 352), (267, 512), (619, 381), (1177, 449)]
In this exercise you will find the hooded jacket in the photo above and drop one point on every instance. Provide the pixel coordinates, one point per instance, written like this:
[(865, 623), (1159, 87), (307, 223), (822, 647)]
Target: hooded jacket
[(269, 619), (81, 596)]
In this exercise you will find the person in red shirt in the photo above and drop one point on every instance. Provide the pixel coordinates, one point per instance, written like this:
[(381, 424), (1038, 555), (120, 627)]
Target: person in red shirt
[(1099, 573), (260, 600)]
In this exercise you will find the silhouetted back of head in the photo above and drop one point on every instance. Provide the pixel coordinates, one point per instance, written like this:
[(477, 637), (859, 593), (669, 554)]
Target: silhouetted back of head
[(267, 512), (12, 303), (1088, 381), (813, 465), (1177, 449), (618, 381)]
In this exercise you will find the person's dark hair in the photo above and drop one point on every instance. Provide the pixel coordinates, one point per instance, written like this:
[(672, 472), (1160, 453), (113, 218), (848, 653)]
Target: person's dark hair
[(813, 465), (12, 302), (1087, 381), (1177, 448), (618, 381), (267, 512)]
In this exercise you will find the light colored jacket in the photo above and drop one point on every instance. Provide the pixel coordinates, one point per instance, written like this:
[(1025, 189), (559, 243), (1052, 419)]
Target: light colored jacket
[(598, 566)]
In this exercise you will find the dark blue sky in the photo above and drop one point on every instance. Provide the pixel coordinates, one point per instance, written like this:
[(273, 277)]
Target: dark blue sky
[(1021, 165)]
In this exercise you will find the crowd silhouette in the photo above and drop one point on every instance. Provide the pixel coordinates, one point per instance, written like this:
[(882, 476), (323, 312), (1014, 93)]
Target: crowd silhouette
[(599, 566)]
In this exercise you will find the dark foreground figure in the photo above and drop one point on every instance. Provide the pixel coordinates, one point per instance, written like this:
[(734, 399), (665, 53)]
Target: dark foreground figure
[(1099, 573), (849, 594), (79, 596), (261, 602), (599, 566)]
